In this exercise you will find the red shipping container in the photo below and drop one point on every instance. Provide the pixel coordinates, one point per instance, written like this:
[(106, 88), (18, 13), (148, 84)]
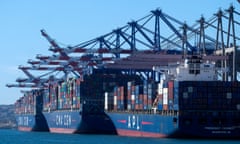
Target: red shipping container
[(145, 100), (170, 84), (136, 106), (122, 93), (165, 107), (129, 94), (170, 93)]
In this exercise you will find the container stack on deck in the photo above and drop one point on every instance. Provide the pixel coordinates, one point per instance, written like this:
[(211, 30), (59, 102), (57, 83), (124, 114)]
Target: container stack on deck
[(62, 95), (146, 96), (209, 95), (27, 103)]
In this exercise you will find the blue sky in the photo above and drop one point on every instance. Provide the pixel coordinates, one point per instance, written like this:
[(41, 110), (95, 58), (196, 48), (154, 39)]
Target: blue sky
[(74, 21)]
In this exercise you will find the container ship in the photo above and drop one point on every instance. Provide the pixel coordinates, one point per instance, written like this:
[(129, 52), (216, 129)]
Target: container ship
[(28, 111), (187, 101), (123, 88), (74, 106)]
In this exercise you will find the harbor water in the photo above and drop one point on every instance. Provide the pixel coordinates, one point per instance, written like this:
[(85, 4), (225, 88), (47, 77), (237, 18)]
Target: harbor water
[(8, 136)]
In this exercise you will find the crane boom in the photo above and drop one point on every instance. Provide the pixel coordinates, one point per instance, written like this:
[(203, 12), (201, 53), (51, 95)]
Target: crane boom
[(56, 47)]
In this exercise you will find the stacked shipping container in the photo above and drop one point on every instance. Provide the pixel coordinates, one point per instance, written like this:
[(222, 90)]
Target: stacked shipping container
[(209, 95), (27, 103), (162, 96), (63, 95), (149, 95), (167, 95), (118, 98), (172, 95)]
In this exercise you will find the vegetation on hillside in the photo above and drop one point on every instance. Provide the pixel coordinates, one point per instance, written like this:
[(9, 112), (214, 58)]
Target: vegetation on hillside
[(7, 116)]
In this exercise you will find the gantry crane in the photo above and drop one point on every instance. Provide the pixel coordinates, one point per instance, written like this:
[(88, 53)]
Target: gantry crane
[(153, 34)]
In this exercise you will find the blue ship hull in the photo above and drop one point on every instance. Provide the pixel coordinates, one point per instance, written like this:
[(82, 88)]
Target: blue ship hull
[(144, 125), (170, 125), (31, 122), (25, 122), (75, 122), (63, 121)]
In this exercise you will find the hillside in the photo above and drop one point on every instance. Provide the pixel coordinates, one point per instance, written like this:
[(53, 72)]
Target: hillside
[(7, 117)]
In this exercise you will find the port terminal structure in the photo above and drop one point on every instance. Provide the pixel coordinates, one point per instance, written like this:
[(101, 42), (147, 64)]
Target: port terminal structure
[(155, 40)]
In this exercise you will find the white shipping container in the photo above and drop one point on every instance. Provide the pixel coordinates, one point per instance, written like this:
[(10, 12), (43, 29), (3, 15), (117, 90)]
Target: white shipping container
[(133, 97), (165, 95), (106, 101), (161, 81), (115, 100), (129, 84), (74, 106), (160, 91), (129, 106), (160, 85)]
